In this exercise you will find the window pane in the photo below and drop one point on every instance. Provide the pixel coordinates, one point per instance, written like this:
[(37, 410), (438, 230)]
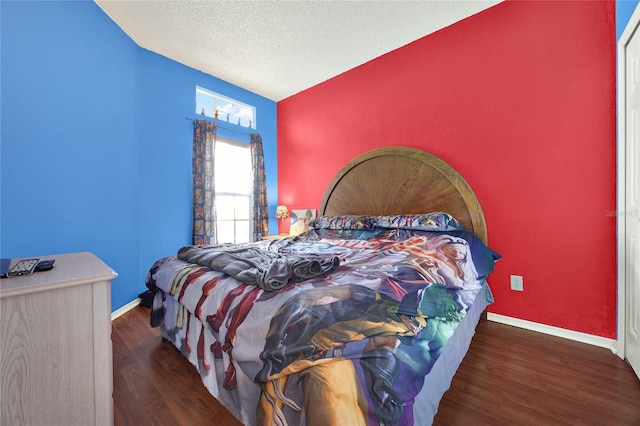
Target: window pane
[(243, 231), (225, 207), (238, 115), (204, 104), (243, 208), (226, 231), (233, 169), (226, 109)]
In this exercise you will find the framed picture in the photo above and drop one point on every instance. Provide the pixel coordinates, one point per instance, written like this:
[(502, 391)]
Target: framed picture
[(300, 220)]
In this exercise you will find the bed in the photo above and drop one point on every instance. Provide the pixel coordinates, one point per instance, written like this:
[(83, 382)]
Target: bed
[(361, 320)]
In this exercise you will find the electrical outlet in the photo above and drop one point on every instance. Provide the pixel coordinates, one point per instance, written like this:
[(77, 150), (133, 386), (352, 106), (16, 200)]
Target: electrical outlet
[(517, 283)]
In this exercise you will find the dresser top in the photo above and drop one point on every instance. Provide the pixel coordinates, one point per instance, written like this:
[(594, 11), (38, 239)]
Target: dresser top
[(70, 269)]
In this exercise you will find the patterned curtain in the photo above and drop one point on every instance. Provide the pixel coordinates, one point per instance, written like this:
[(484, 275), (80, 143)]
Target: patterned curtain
[(260, 204), (204, 139)]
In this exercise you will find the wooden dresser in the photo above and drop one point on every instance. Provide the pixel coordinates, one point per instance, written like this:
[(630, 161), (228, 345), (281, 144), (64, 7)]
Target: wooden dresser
[(55, 344)]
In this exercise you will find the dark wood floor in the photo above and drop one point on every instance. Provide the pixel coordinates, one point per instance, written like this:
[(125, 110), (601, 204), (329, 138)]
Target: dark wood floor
[(509, 376)]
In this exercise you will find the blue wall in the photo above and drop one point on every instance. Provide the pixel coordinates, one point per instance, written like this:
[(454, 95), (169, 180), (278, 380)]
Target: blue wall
[(624, 10), (95, 151)]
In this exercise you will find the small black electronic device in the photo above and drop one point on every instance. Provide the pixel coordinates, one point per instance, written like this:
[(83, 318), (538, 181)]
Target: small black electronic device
[(45, 265), (23, 267)]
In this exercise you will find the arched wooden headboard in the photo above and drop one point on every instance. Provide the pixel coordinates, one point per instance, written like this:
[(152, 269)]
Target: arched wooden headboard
[(403, 180)]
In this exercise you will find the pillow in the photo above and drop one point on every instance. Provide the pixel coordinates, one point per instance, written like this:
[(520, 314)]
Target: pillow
[(341, 234), (437, 221), (343, 222), (484, 258)]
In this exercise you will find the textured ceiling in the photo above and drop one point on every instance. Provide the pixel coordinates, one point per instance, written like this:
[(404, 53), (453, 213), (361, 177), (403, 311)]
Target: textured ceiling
[(279, 48)]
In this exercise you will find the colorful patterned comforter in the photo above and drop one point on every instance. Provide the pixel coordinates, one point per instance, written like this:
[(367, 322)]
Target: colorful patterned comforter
[(351, 346)]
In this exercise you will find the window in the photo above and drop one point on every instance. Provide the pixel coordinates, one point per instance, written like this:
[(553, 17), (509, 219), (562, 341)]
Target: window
[(234, 191), (213, 105)]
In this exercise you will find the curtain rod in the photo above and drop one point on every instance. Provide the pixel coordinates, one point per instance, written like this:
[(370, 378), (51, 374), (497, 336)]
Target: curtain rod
[(222, 127)]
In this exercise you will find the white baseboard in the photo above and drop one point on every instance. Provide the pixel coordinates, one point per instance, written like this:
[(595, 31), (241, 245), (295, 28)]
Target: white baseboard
[(126, 308), (555, 331)]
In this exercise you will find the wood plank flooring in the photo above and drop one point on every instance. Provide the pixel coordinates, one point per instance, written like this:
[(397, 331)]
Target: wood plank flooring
[(509, 376)]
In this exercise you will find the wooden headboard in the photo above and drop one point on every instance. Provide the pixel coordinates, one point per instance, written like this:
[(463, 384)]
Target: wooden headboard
[(403, 180)]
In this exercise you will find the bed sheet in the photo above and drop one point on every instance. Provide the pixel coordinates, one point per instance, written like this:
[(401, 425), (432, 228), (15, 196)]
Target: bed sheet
[(436, 383), (373, 329)]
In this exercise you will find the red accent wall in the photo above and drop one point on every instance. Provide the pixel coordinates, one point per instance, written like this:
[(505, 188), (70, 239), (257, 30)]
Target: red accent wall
[(520, 99)]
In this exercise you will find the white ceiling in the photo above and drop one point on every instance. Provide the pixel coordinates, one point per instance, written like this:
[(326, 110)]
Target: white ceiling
[(279, 48)]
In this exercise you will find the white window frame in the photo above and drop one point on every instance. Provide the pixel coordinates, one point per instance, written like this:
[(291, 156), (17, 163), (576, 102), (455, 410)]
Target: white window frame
[(220, 101), (244, 145)]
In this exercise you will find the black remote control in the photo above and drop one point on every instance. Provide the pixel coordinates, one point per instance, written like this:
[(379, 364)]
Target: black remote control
[(23, 267)]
